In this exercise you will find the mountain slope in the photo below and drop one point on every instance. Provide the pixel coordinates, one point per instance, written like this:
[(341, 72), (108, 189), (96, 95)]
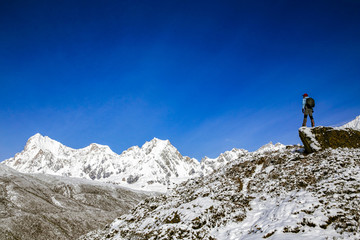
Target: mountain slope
[(153, 167), (209, 165), (282, 194), (37, 206), (355, 124)]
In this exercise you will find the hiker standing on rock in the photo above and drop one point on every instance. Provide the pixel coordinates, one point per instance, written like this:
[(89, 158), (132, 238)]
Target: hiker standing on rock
[(307, 108)]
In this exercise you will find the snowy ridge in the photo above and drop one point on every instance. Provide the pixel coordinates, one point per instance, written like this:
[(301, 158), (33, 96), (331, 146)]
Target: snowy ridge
[(270, 147), (209, 165)]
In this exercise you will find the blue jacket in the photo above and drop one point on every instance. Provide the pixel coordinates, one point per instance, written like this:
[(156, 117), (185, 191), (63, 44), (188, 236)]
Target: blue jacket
[(304, 102)]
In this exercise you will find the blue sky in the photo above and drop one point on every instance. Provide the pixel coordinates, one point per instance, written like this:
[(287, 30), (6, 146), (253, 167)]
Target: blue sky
[(207, 75)]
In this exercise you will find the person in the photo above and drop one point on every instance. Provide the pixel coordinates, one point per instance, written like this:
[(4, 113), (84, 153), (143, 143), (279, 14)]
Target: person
[(307, 110)]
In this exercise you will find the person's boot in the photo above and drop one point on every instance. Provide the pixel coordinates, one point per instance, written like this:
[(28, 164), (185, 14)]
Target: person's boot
[(312, 123), (304, 122)]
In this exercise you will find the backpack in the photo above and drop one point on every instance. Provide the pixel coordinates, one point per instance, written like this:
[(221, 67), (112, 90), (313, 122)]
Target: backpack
[(310, 102)]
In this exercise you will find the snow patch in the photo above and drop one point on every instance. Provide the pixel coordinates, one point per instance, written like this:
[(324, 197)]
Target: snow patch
[(56, 202), (314, 143)]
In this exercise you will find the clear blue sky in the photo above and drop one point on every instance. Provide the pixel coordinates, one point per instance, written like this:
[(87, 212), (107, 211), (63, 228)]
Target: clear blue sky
[(207, 75)]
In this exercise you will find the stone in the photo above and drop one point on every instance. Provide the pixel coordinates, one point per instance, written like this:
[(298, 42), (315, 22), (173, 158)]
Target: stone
[(320, 138)]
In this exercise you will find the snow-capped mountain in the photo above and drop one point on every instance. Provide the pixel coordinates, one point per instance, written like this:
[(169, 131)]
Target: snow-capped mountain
[(156, 166), (209, 165), (355, 124), (153, 167), (270, 147)]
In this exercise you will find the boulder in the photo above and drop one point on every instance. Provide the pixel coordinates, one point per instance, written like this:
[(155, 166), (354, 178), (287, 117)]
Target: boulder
[(319, 138)]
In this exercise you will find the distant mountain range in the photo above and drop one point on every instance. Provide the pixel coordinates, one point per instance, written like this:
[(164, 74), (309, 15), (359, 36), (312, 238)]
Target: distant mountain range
[(156, 166)]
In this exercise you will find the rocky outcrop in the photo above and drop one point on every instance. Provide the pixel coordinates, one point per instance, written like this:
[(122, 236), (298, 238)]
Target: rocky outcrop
[(319, 138)]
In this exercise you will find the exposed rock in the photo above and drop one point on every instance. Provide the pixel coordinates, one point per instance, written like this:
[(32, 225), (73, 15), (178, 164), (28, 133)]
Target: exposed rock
[(319, 138)]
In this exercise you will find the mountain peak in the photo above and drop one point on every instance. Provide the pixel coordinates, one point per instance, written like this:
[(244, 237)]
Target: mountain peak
[(42, 142), (270, 147), (95, 148), (156, 145), (158, 140), (35, 138), (98, 147), (37, 135)]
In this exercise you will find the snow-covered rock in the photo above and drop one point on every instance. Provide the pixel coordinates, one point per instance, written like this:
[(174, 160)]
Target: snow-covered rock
[(318, 138)]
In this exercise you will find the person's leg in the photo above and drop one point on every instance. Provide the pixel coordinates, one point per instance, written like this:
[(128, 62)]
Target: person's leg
[(310, 112), (312, 121), (305, 120)]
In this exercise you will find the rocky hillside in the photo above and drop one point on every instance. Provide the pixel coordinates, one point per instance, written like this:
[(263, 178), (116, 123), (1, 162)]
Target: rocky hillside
[(283, 194), (37, 206)]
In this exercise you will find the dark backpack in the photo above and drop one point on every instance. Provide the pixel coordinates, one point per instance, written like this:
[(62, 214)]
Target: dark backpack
[(310, 102)]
